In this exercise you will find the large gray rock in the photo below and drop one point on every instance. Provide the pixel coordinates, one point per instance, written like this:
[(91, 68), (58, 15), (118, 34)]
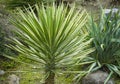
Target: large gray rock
[(13, 79), (97, 77)]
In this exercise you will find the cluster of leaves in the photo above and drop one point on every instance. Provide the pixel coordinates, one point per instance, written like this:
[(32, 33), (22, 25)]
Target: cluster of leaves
[(12, 4), (106, 40)]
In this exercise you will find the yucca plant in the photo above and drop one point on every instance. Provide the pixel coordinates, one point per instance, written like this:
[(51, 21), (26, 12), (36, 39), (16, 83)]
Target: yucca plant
[(51, 37), (106, 36)]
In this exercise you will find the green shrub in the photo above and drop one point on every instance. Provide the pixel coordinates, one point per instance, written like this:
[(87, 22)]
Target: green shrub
[(12, 4), (106, 36)]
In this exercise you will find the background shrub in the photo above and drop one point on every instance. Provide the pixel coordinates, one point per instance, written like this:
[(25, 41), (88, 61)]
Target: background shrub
[(106, 40), (12, 4)]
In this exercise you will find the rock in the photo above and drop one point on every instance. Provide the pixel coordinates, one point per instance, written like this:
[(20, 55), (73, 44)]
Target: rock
[(97, 77), (13, 79), (114, 10), (2, 72)]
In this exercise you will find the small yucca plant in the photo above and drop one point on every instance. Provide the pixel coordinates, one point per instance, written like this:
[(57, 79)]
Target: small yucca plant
[(51, 37), (106, 36)]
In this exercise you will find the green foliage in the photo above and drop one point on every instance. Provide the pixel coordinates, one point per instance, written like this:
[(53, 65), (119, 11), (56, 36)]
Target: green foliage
[(51, 37), (2, 41), (7, 64), (106, 36), (12, 4)]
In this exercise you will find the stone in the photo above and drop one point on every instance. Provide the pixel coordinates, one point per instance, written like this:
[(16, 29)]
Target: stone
[(114, 10), (97, 77), (2, 72), (13, 79)]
